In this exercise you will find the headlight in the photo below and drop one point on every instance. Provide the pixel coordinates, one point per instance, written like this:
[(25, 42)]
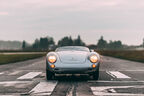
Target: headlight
[(52, 59), (93, 58)]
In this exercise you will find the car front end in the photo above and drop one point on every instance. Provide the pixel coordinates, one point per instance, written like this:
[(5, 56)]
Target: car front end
[(72, 62)]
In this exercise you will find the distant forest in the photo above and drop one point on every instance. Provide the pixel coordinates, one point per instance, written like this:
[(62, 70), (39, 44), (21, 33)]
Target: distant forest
[(48, 43), (45, 43), (10, 45)]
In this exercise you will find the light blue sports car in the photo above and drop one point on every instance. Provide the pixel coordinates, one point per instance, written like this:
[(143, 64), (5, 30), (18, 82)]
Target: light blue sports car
[(72, 60)]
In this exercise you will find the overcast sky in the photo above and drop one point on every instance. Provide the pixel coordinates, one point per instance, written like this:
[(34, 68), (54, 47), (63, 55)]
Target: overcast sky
[(114, 19)]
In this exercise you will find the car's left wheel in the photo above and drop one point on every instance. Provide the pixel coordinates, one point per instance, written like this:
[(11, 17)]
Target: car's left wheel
[(49, 75)]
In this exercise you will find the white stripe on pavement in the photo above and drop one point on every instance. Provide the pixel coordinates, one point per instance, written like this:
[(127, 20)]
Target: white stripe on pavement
[(8, 95), (44, 88), (1, 73), (12, 83), (110, 90), (30, 75), (117, 74), (101, 81), (15, 72)]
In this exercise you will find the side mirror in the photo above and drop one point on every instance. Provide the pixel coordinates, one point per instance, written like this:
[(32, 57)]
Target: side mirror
[(91, 50)]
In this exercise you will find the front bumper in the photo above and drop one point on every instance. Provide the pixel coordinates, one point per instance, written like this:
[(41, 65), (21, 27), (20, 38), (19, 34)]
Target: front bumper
[(73, 70)]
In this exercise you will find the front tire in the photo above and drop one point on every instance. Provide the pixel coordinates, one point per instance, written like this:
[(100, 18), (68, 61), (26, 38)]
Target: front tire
[(49, 75)]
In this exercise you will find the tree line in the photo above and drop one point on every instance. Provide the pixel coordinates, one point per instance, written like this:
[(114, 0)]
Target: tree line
[(68, 41), (103, 44), (45, 43)]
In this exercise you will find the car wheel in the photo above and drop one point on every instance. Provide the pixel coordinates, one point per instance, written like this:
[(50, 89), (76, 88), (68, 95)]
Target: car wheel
[(49, 75), (96, 75)]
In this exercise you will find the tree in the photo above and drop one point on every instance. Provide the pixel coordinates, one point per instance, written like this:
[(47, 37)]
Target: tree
[(36, 44), (43, 43), (65, 41), (23, 45), (68, 41), (51, 41), (102, 43), (115, 45), (78, 41)]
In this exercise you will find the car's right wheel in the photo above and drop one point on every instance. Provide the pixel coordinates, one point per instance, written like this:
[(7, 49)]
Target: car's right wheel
[(49, 75)]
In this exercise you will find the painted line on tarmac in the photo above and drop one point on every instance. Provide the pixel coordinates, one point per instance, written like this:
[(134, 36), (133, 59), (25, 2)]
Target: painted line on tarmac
[(138, 70), (9, 95), (15, 72), (101, 81), (44, 88), (13, 83), (1, 73), (30, 75), (110, 90), (117, 74)]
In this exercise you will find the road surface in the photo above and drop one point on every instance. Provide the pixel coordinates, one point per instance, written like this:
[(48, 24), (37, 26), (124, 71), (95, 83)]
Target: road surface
[(117, 78)]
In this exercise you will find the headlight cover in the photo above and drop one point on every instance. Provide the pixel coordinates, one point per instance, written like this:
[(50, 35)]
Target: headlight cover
[(52, 59), (93, 58)]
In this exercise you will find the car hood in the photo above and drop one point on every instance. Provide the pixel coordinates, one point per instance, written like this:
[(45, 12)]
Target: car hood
[(72, 57)]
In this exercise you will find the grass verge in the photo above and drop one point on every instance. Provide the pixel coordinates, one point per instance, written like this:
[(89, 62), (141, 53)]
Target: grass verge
[(128, 55), (11, 58)]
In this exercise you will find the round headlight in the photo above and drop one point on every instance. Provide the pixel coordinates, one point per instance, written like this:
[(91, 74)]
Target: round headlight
[(52, 59), (93, 58)]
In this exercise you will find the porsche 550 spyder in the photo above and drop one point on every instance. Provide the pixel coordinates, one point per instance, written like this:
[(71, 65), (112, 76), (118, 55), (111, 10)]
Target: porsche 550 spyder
[(72, 60)]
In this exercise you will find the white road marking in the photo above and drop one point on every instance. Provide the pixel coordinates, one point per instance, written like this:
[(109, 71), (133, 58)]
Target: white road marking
[(112, 91), (92, 81), (8, 95), (106, 90), (117, 74), (1, 73), (44, 88), (139, 70), (30, 75), (12, 83), (15, 72)]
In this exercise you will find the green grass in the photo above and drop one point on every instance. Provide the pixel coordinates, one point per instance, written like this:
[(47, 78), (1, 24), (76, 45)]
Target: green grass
[(7, 58), (128, 55)]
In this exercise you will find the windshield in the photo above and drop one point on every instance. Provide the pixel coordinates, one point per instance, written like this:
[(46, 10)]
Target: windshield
[(72, 48)]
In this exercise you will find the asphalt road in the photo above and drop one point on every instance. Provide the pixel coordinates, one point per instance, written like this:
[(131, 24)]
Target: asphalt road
[(117, 77)]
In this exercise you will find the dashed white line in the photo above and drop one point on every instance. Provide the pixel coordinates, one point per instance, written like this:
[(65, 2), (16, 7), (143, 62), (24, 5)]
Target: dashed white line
[(44, 88), (112, 91), (30, 75), (109, 90), (14, 73), (1, 73), (8, 95), (13, 83), (101, 81), (117, 74)]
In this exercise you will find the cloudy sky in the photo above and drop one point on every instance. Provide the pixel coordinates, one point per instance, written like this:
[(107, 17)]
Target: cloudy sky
[(114, 19)]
